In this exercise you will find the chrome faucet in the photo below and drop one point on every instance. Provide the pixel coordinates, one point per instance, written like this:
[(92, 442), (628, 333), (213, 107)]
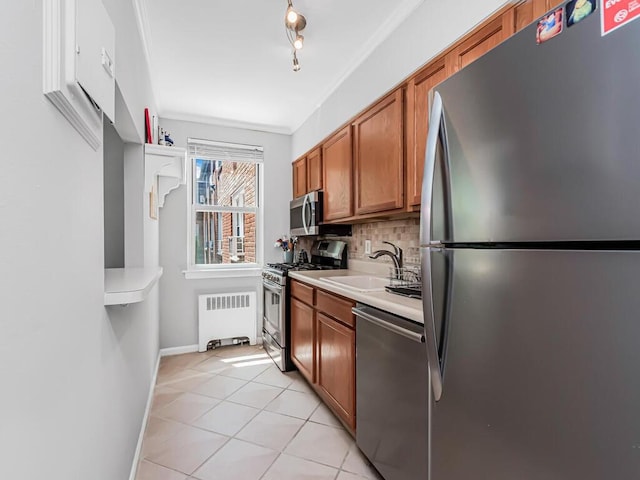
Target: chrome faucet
[(396, 257)]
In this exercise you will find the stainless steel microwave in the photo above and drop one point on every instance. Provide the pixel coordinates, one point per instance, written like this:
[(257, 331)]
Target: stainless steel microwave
[(305, 217)]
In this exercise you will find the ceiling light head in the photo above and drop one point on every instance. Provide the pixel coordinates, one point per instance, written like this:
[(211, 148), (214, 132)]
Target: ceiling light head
[(298, 42), (296, 65), (291, 17)]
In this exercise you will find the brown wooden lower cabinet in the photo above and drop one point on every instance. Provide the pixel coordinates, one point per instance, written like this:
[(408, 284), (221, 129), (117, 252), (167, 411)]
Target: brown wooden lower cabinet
[(323, 347), (336, 358), (303, 338)]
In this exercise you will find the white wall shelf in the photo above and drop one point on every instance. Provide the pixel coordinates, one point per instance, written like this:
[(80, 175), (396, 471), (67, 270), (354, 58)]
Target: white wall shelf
[(129, 285)]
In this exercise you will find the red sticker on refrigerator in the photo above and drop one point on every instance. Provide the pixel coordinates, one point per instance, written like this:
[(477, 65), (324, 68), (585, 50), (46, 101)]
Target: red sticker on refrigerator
[(617, 13)]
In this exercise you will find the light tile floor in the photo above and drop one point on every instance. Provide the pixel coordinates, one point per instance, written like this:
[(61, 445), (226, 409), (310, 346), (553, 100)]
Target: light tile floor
[(230, 414)]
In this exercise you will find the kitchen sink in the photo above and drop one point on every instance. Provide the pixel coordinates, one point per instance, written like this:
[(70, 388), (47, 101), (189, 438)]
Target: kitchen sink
[(360, 283)]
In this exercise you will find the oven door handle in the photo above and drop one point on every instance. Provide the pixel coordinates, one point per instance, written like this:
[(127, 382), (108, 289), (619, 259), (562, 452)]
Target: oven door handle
[(272, 286)]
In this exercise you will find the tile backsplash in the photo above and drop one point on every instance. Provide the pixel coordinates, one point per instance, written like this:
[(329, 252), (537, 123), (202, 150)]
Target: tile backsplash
[(405, 233)]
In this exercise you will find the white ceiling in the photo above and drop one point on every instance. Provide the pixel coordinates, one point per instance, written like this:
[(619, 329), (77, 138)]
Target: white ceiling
[(229, 62)]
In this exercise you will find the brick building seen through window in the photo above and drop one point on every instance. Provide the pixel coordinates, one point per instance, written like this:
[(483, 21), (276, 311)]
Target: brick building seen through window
[(225, 208)]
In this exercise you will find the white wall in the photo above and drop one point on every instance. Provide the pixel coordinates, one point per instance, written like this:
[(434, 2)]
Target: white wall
[(75, 376), (178, 299), (430, 29)]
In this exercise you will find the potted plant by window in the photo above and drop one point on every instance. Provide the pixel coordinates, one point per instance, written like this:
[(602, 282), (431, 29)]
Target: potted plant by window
[(287, 245)]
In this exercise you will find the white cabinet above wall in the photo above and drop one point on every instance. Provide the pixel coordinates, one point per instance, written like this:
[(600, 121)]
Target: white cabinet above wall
[(79, 63)]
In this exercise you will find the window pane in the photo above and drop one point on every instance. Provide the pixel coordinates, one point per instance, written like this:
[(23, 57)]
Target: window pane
[(216, 182), (217, 239)]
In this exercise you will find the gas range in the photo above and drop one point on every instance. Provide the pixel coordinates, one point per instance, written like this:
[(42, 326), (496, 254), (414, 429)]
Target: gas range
[(325, 255), (276, 272)]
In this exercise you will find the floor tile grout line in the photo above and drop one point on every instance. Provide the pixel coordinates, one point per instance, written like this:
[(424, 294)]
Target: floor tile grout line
[(270, 465), (163, 466), (212, 454)]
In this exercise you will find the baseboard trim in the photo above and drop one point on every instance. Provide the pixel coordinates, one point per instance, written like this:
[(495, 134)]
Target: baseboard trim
[(136, 456), (166, 352)]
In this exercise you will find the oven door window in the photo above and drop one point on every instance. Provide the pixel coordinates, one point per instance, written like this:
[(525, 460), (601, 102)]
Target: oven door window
[(273, 312)]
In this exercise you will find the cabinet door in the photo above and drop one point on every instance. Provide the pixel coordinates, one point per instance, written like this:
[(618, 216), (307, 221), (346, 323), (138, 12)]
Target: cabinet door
[(303, 338), (418, 101), (379, 157), (337, 175), (336, 367), (299, 177), (553, 3), (531, 10), (483, 40), (314, 170)]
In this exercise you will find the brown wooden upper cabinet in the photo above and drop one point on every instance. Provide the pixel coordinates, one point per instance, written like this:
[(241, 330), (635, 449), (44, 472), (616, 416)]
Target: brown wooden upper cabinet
[(418, 102), (480, 42), (314, 170), (531, 10), (337, 175), (300, 177), (307, 173), (379, 156)]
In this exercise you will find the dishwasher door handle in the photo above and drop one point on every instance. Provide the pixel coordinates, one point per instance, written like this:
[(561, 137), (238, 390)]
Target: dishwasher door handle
[(416, 337)]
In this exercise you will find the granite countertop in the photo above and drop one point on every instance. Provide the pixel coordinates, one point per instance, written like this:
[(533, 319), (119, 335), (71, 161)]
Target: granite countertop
[(410, 308)]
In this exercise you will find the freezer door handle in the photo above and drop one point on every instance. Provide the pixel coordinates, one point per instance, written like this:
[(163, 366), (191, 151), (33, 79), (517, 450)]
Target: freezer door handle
[(436, 132)]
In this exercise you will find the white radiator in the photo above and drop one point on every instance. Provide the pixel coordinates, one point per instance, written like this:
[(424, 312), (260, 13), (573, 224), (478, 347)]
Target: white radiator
[(226, 315)]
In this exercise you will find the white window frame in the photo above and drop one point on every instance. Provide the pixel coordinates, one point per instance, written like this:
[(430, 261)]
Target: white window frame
[(220, 237), (197, 271), (237, 200)]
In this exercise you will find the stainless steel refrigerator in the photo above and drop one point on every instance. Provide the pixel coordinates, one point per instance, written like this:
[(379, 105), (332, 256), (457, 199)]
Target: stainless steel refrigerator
[(531, 260)]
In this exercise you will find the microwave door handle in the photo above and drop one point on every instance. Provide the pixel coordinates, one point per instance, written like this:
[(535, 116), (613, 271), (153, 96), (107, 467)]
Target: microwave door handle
[(306, 223)]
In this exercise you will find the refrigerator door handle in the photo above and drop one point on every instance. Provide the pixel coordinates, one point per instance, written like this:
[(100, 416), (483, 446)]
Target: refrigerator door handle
[(436, 130)]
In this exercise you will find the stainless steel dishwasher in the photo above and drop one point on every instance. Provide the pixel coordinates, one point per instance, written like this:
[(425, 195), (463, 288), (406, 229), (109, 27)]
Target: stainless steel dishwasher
[(392, 388)]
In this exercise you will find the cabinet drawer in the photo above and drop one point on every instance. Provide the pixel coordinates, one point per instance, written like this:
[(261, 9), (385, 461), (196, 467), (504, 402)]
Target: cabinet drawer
[(302, 292), (338, 308)]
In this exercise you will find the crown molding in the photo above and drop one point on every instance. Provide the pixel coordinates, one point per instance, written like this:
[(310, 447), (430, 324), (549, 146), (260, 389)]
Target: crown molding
[(226, 122), (381, 33)]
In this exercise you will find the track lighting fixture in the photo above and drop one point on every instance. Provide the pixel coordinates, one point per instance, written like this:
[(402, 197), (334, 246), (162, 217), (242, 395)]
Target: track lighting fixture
[(294, 23)]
